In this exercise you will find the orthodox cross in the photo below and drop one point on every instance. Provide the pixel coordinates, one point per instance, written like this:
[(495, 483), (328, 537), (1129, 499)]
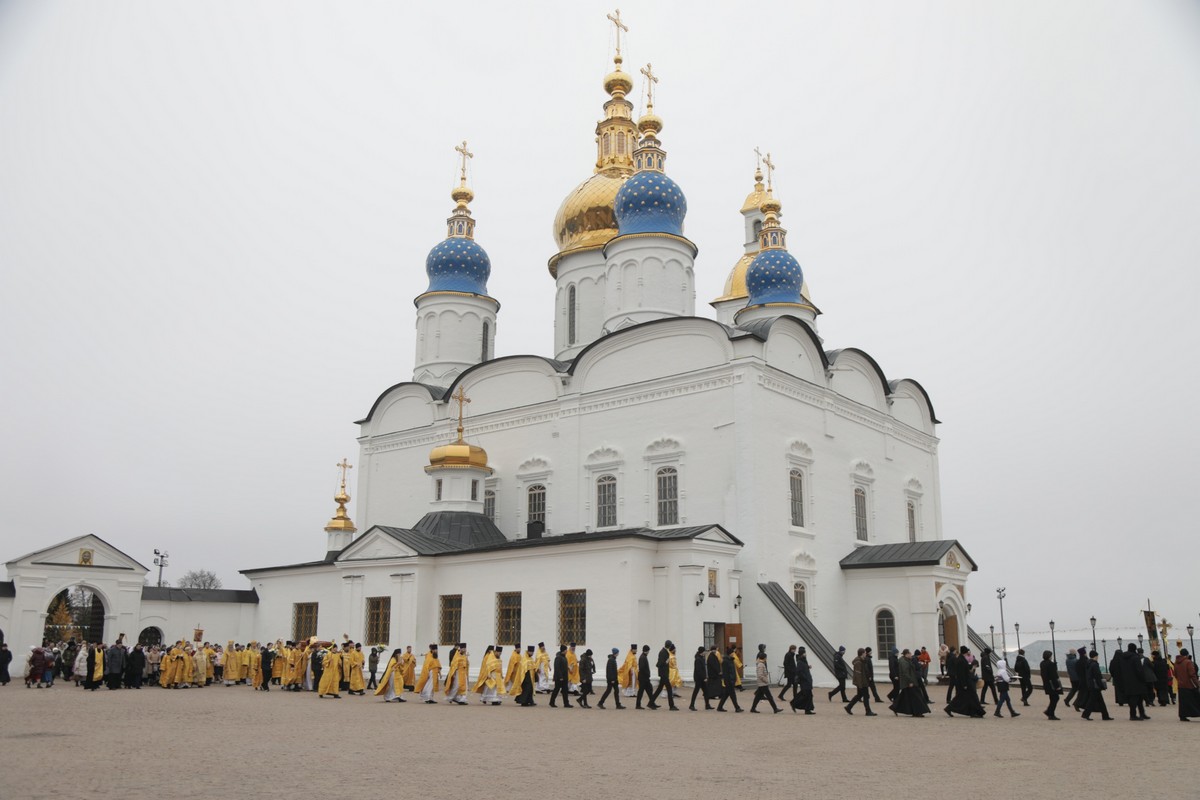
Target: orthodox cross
[(345, 465), (757, 158), (1165, 626), (465, 153), (618, 26), (770, 169), (462, 399), (651, 79)]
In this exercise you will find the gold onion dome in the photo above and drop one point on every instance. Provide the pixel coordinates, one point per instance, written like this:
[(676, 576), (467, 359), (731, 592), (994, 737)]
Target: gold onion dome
[(341, 519), (757, 195), (458, 455), (618, 80)]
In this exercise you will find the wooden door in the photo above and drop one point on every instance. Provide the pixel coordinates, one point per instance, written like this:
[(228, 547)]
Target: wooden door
[(950, 632)]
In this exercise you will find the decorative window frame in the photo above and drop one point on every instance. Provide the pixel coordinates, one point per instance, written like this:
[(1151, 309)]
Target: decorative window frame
[(602, 461), (804, 570), (862, 476), (913, 493), (533, 471), (800, 457), (665, 452), (881, 653)]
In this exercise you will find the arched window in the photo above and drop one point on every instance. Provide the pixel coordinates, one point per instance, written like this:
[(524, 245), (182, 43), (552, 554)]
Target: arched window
[(571, 314), (150, 636), (796, 484), (860, 513), (606, 501), (474, 490), (437, 489), (912, 521), (668, 496), (489, 504), (800, 594), (885, 632), (757, 228), (487, 334), (536, 503), (607, 143)]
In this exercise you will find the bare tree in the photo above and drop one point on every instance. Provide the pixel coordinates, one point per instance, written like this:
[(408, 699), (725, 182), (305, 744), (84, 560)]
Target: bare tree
[(200, 579)]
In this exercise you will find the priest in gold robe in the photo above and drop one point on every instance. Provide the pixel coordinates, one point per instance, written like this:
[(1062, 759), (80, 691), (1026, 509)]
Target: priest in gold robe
[(357, 685), (627, 674), (543, 680), (391, 685), (431, 673), (408, 669), (456, 677), (572, 670), (331, 674)]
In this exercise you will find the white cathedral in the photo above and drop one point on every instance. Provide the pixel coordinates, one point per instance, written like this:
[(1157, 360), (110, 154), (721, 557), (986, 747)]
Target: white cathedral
[(663, 475)]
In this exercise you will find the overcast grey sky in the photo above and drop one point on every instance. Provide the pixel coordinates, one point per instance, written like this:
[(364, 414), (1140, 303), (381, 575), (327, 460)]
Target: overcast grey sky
[(214, 218)]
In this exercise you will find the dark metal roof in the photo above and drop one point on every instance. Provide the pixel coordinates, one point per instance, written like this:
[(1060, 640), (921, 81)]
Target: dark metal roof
[(427, 545), (465, 528), (8, 589), (903, 554), (175, 595)]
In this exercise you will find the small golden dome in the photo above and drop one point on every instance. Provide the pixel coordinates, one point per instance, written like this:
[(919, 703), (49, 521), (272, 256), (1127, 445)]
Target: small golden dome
[(460, 454), (757, 195), (462, 194), (770, 204), (586, 217), (651, 123), (618, 80)]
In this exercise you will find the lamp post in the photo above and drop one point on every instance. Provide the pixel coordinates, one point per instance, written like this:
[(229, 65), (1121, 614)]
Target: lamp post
[(1017, 628), (1119, 645), (160, 560), (992, 630), (1001, 593), (1093, 621), (1104, 643), (1053, 645), (1191, 641)]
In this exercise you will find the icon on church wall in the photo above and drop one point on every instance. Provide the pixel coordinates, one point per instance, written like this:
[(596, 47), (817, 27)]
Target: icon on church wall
[(85, 557), (712, 583)]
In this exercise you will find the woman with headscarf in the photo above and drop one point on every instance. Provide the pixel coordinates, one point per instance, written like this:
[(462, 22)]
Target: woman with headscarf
[(1003, 682), (965, 701)]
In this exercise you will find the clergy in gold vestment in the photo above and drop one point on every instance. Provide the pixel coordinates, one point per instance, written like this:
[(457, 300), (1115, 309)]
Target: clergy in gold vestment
[(255, 659), (673, 676), (186, 667), (165, 668), (98, 668), (519, 677), (431, 672), (200, 667), (486, 662), (277, 666), (456, 678), (408, 668), (541, 669), (737, 663), (572, 669), (244, 664), (331, 674), (627, 674), (514, 663), (233, 671), (390, 685), (357, 684), (492, 674), (209, 667)]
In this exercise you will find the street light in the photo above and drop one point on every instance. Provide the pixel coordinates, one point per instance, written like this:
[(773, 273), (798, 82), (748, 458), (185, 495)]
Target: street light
[(1119, 645), (1093, 633), (1001, 593), (1191, 641), (160, 560), (992, 628), (1104, 642), (1017, 628), (1053, 645)]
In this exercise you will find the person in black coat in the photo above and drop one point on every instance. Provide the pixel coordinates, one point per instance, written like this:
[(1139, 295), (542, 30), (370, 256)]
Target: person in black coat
[(645, 687), (729, 682), (1024, 676), (1162, 678), (587, 668), (664, 676), (1132, 680), (114, 666), (789, 673), (716, 684), (951, 671), (134, 667), (1051, 684), (840, 672), (317, 663), (525, 698), (1083, 665), (561, 671), (268, 663), (1093, 682), (869, 668), (700, 679), (989, 677), (894, 673), (5, 660), (965, 702), (804, 698), (611, 686)]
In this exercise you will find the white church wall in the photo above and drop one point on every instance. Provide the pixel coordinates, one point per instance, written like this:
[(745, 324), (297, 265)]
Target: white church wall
[(220, 621)]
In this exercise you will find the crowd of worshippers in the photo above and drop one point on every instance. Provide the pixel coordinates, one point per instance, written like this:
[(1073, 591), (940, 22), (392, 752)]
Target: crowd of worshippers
[(329, 669)]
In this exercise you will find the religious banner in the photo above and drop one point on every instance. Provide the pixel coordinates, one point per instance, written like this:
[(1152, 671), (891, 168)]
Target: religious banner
[(1150, 628), (198, 635)]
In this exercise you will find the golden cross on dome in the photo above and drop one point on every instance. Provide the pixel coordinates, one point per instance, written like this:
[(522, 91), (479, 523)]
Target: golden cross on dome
[(465, 153), (462, 399), (651, 79), (345, 465), (618, 26), (757, 158), (770, 169)]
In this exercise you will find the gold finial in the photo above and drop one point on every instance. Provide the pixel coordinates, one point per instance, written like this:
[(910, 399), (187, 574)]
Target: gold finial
[(462, 399), (465, 153), (618, 26), (770, 169), (651, 79), (345, 465)]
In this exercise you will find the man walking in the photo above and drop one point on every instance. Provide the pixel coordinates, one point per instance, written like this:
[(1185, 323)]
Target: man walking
[(861, 682), (762, 680), (1094, 682), (1051, 684), (699, 679), (561, 670), (611, 684), (988, 674), (664, 676), (643, 679), (840, 672), (804, 679), (869, 670), (587, 668), (1021, 667), (729, 682), (373, 667), (789, 673)]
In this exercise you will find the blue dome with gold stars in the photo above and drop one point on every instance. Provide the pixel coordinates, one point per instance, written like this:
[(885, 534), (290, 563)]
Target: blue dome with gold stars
[(650, 202), (458, 265), (774, 276)]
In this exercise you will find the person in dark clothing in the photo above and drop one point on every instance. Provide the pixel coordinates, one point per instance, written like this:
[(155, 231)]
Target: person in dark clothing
[(525, 698), (1132, 679), (318, 666), (1093, 681), (862, 683), (715, 688), (729, 682), (894, 674), (88, 681), (645, 687), (587, 668), (840, 673), (114, 666), (1074, 671), (1189, 686), (1114, 670), (869, 666), (951, 670), (804, 698), (1084, 666), (5, 661), (611, 685), (135, 667), (560, 677), (1024, 676), (1162, 679), (664, 676), (909, 699), (700, 679), (789, 673), (372, 667), (1051, 684), (988, 674), (268, 657), (965, 702)]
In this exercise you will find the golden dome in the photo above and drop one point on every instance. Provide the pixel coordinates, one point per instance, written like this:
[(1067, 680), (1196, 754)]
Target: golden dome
[(462, 194), (650, 122), (586, 218), (458, 455), (770, 204), (757, 195), (618, 82)]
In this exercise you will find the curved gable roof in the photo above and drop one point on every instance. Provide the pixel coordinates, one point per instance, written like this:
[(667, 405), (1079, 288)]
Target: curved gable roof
[(833, 356), (641, 326), (557, 366), (761, 329), (929, 403), (434, 391)]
